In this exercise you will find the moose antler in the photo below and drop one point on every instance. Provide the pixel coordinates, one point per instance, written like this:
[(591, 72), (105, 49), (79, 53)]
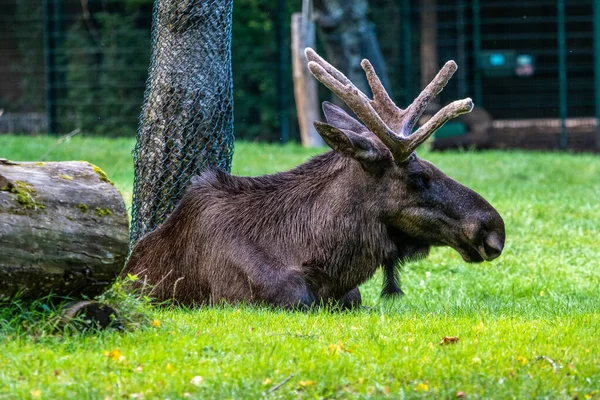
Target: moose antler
[(392, 125)]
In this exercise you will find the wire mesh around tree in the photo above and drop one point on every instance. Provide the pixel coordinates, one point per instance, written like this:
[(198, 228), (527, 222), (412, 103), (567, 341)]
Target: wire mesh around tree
[(186, 123)]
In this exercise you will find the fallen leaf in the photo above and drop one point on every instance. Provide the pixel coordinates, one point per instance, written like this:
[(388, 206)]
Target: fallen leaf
[(267, 381), (460, 395), (336, 348), (36, 393), (115, 355), (422, 387), (386, 390), (448, 340), (591, 395), (307, 383)]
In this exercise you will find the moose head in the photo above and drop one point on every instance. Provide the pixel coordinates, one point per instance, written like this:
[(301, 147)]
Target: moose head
[(420, 202)]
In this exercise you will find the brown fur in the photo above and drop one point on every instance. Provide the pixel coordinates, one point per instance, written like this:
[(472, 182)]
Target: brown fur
[(313, 234), (306, 236)]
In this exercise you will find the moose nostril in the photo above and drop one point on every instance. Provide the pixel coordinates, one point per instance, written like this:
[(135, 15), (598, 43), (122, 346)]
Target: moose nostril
[(493, 245)]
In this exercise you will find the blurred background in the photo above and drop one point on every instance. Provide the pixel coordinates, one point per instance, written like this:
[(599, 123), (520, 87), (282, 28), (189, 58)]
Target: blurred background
[(531, 66)]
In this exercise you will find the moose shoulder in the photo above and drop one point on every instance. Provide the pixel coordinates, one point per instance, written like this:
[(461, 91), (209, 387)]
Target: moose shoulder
[(311, 235)]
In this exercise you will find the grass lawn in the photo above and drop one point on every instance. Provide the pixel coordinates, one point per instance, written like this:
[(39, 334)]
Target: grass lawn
[(528, 322)]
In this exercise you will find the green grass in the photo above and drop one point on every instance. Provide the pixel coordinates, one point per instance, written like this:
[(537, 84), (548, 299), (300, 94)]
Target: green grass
[(538, 302)]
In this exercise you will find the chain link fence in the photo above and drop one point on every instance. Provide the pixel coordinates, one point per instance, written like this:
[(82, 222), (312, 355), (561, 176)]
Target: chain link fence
[(73, 64)]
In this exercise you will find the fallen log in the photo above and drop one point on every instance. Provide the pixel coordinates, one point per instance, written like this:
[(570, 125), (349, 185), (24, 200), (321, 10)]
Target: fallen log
[(63, 229)]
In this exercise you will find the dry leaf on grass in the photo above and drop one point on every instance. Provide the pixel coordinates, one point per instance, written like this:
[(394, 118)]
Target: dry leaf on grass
[(337, 348), (114, 355), (422, 387), (448, 339)]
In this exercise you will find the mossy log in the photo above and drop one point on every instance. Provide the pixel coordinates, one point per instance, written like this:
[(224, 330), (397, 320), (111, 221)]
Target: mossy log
[(63, 229)]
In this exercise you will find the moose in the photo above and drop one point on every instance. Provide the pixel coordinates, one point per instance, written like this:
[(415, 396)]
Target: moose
[(311, 235)]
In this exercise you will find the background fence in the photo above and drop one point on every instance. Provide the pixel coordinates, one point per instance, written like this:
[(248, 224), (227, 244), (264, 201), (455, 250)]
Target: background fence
[(83, 63)]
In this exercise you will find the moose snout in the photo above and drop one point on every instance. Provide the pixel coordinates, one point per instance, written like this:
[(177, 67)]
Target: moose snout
[(486, 236), (492, 246)]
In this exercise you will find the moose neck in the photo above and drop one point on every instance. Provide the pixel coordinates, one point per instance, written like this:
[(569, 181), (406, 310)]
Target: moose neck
[(335, 229)]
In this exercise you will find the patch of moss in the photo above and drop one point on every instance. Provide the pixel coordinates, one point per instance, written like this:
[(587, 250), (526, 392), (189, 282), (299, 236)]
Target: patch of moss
[(82, 207), (67, 177), (39, 164), (25, 186), (24, 194), (101, 174), (102, 212), (25, 199)]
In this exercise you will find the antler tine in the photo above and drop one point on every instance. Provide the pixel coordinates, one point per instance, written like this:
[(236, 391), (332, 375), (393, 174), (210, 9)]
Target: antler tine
[(392, 125), (382, 103), (418, 106), (312, 55), (452, 110), (358, 102)]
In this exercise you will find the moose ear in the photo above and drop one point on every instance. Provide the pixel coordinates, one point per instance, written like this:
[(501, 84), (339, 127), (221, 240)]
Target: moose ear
[(348, 143), (340, 118)]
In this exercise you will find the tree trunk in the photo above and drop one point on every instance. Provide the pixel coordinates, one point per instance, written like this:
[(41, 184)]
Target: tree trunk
[(349, 37), (305, 86), (63, 229), (186, 123)]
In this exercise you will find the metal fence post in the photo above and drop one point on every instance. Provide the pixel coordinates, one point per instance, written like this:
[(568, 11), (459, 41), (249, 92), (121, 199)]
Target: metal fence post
[(49, 63), (282, 75), (460, 46), (407, 52), (597, 69), (562, 73)]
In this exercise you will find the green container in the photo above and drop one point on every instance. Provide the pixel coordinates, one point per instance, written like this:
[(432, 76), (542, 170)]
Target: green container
[(451, 129)]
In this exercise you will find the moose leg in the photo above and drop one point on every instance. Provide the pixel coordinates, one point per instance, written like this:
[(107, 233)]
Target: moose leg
[(391, 283), (248, 274), (350, 300)]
